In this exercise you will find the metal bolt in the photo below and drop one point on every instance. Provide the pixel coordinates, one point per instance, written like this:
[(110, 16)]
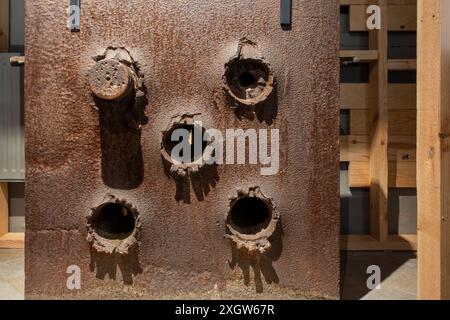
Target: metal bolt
[(110, 79)]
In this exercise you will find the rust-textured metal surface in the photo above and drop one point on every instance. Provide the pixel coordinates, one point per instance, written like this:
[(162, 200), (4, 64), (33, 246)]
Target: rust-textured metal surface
[(83, 151)]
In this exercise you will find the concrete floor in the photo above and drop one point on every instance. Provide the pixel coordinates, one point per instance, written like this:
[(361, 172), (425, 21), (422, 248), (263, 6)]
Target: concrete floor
[(12, 274), (398, 273)]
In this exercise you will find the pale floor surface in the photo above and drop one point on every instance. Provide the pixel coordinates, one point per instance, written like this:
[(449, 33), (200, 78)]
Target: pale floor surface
[(398, 273), (12, 274)]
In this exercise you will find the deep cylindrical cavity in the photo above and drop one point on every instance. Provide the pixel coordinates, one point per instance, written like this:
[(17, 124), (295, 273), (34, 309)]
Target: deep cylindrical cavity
[(250, 215), (110, 79), (113, 221), (249, 81), (192, 131)]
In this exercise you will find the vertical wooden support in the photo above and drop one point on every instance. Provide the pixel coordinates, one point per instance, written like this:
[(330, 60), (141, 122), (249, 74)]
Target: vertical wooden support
[(379, 130), (4, 212), (433, 149), (4, 25)]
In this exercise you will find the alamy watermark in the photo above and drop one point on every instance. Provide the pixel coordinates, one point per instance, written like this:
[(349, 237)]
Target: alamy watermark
[(374, 280), (74, 279), (374, 20), (212, 146)]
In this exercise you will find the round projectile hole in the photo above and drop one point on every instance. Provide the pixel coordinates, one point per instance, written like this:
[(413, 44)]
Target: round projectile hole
[(250, 215), (249, 79), (169, 144), (114, 221)]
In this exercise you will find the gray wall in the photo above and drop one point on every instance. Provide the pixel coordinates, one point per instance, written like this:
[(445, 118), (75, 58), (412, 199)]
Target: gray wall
[(16, 191), (17, 25), (12, 154)]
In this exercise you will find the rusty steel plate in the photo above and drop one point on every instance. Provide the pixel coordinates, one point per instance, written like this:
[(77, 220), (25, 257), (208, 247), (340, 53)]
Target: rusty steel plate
[(102, 199)]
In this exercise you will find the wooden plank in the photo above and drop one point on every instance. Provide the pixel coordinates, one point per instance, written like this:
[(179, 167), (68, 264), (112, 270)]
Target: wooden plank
[(402, 174), (357, 148), (4, 210), (402, 96), (402, 161), (358, 18), (402, 64), (354, 148), (379, 131), (402, 148), (402, 122), (433, 149), (358, 174), (359, 122), (12, 241), (353, 2), (355, 96), (400, 18), (368, 243), (360, 55), (390, 2), (4, 25)]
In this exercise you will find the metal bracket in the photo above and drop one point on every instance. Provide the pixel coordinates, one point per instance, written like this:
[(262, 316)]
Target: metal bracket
[(286, 13), (17, 60)]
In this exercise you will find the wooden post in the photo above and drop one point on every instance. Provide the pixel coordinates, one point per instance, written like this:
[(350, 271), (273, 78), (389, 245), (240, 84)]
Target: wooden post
[(433, 149), (4, 212), (379, 130), (4, 25)]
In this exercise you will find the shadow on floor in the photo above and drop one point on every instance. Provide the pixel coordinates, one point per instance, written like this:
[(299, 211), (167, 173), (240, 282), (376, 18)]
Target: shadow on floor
[(398, 275)]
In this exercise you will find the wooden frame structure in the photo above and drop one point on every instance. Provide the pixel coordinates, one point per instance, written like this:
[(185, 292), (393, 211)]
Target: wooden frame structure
[(381, 147), (4, 25), (7, 239)]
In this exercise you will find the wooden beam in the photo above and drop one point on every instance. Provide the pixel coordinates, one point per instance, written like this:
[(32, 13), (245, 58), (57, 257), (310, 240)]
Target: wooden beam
[(402, 122), (359, 122), (354, 148), (4, 25), (355, 96), (12, 241), (360, 55), (402, 148), (4, 209), (368, 2), (402, 96), (402, 174), (368, 243), (357, 148), (400, 17), (358, 174), (433, 149), (378, 153), (402, 64)]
